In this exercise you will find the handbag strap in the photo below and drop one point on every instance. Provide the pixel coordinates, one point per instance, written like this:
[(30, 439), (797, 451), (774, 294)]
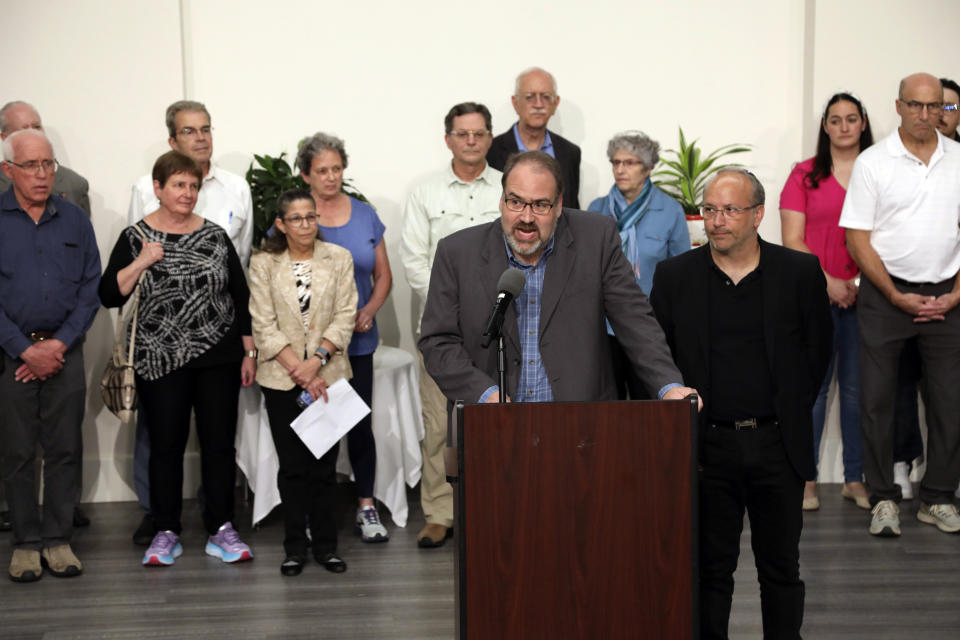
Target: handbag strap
[(136, 306)]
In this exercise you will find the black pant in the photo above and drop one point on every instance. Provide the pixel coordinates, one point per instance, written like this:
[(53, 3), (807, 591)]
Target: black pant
[(308, 487), (212, 393), (48, 413), (361, 447), (907, 441), (883, 331), (625, 374), (749, 469)]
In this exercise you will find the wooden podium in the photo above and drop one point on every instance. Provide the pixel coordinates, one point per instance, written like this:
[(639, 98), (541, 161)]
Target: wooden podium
[(576, 520)]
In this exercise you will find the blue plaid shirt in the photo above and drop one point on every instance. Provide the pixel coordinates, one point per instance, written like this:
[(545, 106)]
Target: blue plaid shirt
[(534, 386)]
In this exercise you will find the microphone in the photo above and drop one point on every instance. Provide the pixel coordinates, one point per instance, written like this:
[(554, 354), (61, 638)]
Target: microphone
[(508, 287)]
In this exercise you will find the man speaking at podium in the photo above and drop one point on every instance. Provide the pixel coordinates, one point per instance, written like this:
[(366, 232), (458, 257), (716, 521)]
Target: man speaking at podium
[(555, 339)]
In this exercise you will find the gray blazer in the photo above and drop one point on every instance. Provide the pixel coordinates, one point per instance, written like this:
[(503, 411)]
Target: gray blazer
[(67, 183), (587, 279)]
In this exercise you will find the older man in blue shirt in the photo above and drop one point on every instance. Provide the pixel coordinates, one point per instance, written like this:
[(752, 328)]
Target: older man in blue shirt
[(49, 271)]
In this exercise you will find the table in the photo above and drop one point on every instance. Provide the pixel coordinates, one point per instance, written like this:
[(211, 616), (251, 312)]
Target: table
[(397, 429)]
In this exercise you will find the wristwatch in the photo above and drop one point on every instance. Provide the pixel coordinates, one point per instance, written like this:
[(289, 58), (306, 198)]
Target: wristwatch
[(323, 354)]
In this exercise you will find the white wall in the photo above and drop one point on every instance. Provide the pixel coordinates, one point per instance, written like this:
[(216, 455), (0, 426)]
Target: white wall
[(383, 74)]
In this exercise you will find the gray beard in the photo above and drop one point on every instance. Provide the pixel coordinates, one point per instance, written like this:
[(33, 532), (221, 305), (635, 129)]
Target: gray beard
[(528, 251)]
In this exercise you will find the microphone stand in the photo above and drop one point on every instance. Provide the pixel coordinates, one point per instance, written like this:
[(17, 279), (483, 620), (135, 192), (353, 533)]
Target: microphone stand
[(501, 369)]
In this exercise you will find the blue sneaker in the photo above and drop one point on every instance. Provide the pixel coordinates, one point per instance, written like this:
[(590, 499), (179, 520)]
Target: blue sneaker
[(227, 545), (164, 549)]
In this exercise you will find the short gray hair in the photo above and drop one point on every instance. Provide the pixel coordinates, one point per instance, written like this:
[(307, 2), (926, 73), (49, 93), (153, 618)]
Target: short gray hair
[(758, 196), (312, 145), (182, 105), (636, 143), (8, 151), (4, 125), (516, 86)]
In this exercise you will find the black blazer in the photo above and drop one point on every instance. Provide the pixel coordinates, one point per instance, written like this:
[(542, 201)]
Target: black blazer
[(587, 280), (798, 333), (568, 155)]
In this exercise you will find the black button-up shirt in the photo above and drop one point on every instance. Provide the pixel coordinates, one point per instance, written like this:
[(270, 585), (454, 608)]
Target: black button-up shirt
[(741, 383), (49, 272)]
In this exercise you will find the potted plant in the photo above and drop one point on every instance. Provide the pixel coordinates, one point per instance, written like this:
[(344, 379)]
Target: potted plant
[(272, 176), (684, 176)]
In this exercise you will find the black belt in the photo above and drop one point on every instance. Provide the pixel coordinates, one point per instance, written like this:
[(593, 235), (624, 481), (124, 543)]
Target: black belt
[(905, 283), (40, 336), (745, 424)]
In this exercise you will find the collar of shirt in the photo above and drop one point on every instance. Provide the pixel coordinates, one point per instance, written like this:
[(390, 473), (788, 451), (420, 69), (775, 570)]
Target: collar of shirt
[(547, 147), (9, 202), (488, 175), (896, 148), (213, 174)]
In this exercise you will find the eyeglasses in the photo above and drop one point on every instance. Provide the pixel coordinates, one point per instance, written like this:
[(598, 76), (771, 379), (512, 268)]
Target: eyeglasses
[(628, 163), (546, 98), (950, 107), (463, 134), (193, 132), (301, 221), (539, 207), (709, 212), (917, 107), (323, 172), (34, 166)]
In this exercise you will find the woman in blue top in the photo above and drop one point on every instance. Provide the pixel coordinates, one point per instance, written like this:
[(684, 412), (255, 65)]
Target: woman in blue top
[(651, 223), (355, 226)]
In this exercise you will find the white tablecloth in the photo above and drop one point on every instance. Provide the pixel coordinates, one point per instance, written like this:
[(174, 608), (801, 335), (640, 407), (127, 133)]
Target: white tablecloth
[(397, 429)]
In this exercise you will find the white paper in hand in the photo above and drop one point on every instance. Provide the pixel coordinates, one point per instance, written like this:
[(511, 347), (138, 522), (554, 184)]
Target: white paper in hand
[(322, 424)]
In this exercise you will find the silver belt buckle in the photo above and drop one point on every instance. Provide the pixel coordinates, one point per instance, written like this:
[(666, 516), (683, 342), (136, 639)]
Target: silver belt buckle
[(749, 423)]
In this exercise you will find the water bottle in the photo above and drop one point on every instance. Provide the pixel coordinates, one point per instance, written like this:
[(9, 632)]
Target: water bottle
[(304, 400)]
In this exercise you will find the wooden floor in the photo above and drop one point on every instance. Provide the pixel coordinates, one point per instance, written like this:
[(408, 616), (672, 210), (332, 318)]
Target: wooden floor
[(857, 586)]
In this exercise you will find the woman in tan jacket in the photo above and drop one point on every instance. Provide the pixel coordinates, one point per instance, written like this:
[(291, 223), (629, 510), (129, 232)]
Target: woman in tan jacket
[(303, 301)]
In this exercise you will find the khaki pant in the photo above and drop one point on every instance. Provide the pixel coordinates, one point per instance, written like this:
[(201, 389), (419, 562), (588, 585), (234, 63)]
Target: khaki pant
[(436, 494)]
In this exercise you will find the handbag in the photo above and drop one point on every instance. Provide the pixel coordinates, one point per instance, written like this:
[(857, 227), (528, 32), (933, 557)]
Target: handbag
[(117, 384)]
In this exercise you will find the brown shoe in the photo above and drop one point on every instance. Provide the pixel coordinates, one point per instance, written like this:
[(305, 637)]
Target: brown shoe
[(25, 566), (433, 535), (61, 562)]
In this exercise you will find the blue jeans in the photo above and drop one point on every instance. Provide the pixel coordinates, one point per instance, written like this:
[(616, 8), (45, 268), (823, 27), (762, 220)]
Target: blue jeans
[(846, 357)]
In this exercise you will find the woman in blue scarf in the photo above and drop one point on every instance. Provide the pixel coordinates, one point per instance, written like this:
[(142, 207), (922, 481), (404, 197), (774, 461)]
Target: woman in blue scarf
[(651, 223)]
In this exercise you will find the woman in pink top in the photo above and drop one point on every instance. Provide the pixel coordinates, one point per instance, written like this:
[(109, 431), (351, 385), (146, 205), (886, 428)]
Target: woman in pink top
[(810, 205)]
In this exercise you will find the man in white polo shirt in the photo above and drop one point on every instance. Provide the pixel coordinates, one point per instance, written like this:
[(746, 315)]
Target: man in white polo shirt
[(901, 214), (225, 199)]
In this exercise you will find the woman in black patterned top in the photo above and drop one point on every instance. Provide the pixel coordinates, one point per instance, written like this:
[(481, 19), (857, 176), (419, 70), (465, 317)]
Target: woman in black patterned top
[(193, 350)]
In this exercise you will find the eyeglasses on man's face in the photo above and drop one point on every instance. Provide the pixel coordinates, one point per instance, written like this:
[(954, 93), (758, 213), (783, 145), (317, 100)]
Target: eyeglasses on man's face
[(34, 166), (545, 98), (539, 207), (709, 211), (193, 132), (916, 107), (463, 134), (950, 107)]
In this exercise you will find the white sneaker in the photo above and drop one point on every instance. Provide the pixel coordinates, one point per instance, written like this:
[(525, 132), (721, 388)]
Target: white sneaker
[(886, 519), (369, 527), (901, 475), (943, 516)]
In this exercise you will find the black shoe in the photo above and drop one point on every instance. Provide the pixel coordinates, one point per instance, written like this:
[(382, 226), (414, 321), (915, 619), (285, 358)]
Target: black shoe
[(80, 519), (5, 524), (332, 562), (292, 565), (143, 536)]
